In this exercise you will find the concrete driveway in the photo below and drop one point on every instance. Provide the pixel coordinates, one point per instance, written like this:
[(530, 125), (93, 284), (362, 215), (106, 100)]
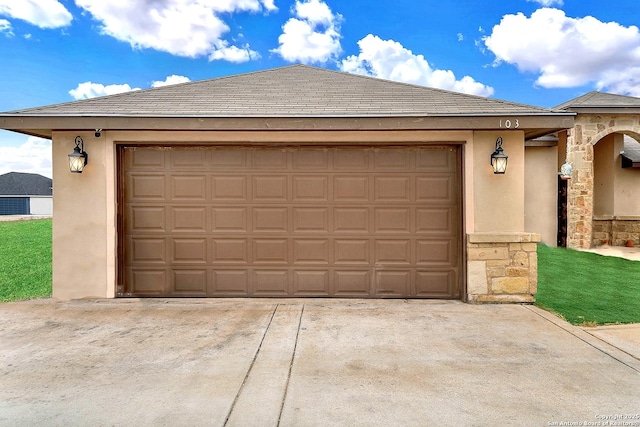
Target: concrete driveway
[(305, 363)]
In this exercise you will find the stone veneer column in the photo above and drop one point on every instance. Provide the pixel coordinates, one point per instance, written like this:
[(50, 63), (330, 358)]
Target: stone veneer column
[(502, 267), (587, 131)]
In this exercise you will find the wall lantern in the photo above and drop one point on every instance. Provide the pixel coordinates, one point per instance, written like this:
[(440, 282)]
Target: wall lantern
[(78, 159), (498, 158)]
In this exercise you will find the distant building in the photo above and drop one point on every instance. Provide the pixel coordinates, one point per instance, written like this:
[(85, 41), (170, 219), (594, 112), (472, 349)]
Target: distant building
[(25, 194)]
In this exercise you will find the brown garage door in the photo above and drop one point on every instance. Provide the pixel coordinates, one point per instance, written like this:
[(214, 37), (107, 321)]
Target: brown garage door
[(290, 222)]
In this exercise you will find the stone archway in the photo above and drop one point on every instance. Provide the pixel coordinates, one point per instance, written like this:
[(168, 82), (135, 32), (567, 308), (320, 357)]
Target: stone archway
[(588, 130)]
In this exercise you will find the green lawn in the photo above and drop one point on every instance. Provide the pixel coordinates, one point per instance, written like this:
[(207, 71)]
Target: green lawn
[(586, 288), (25, 259)]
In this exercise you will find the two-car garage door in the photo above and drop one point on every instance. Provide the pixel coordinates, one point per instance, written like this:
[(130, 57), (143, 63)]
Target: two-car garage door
[(290, 221)]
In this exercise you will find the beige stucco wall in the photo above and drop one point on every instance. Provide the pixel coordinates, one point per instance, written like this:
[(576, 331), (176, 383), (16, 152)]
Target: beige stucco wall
[(541, 192), (85, 210), (499, 199), (83, 220), (627, 184)]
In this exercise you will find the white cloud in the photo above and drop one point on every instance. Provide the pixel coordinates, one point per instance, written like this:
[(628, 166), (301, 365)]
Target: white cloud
[(388, 59), (189, 28), (547, 3), (41, 13), (312, 36), (569, 52), (170, 80), (5, 27), (33, 156), (88, 90)]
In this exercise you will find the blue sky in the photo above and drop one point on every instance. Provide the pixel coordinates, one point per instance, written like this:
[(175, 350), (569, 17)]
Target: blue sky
[(538, 52)]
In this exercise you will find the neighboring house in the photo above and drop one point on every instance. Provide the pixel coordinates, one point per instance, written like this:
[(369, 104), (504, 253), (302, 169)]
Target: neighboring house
[(292, 182), (603, 206), (25, 194)]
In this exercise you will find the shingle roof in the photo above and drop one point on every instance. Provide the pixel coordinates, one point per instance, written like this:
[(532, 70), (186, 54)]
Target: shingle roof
[(25, 184), (631, 149), (597, 99), (292, 91)]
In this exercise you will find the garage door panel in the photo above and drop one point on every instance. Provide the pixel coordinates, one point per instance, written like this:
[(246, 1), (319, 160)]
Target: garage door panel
[(389, 252), (311, 220), (436, 283), (190, 188), (146, 219), (230, 251), (310, 188), (147, 158), (393, 159), (270, 251), (228, 159), (189, 282), (438, 220), (269, 159), (270, 220), (436, 160), (146, 188), (197, 158), (436, 252), (229, 283), (188, 219), (352, 252), (149, 282), (270, 188), (229, 188), (310, 159), (146, 250), (351, 220), (438, 189), (392, 220), (270, 282), (189, 251), (311, 283), (393, 283), (311, 251), (352, 283), (393, 189), (352, 160), (351, 188), (230, 219), (326, 221)]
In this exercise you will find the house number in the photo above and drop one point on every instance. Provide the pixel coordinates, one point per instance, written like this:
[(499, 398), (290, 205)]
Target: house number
[(510, 124)]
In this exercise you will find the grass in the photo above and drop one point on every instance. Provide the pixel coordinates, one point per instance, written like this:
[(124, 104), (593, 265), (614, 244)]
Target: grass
[(25, 260), (588, 289)]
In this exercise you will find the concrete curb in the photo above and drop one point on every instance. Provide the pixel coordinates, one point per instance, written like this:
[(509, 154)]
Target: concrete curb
[(628, 359)]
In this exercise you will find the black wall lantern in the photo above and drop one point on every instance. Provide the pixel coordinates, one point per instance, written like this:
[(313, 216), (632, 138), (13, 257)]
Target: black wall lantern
[(78, 159), (498, 158)]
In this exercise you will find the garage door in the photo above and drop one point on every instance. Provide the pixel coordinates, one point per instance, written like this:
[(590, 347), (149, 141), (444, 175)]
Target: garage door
[(290, 222)]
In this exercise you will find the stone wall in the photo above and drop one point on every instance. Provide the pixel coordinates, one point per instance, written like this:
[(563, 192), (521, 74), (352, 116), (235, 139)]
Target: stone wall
[(587, 131), (502, 267), (616, 231)]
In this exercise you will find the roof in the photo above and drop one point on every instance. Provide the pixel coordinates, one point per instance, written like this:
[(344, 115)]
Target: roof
[(297, 90), (600, 100), (283, 94), (631, 150), (25, 184)]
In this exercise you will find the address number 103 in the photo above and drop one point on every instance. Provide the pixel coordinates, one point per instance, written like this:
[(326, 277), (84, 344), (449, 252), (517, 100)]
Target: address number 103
[(509, 124)]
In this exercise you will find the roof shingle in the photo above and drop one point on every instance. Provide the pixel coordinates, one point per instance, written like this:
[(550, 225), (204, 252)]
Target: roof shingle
[(292, 91)]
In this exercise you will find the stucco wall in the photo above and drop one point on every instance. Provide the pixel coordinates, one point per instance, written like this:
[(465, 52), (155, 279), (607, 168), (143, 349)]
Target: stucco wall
[(603, 177), (83, 221), (499, 199), (541, 193)]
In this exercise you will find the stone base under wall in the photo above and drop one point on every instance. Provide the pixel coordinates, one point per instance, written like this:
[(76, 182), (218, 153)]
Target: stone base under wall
[(616, 231), (502, 267)]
